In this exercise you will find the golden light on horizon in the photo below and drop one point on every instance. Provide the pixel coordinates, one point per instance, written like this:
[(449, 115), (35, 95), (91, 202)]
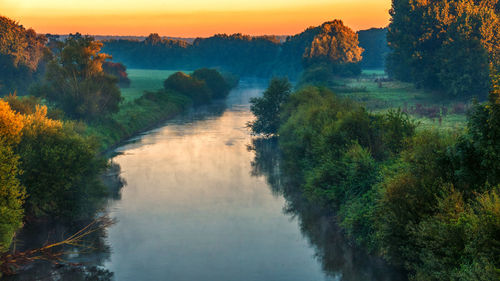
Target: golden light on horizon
[(191, 18)]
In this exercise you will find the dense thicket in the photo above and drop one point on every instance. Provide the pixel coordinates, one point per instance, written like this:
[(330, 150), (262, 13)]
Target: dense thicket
[(48, 169), (447, 45), (331, 43), (425, 200), (22, 55), (60, 169)]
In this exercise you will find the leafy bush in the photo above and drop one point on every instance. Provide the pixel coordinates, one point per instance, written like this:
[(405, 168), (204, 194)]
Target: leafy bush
[(189, 86), (215, 82), (61, 169), (267, 108)]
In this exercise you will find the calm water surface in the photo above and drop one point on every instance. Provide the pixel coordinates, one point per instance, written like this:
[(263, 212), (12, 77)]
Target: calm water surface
[(191, 209)]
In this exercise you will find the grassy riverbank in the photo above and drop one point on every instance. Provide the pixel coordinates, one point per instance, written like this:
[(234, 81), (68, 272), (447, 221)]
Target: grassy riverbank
[(147, 102), (144, 106)]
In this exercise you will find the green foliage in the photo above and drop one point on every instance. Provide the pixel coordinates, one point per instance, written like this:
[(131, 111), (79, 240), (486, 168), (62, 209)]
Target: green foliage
[(138, 115), (189, 86), (22, 105), (76, 82), (446, 45), (237, 53), (61, 170), (317, 74), (267, 108), (410, 194), (374, 43), (215, 82), (338, 148), (425, 200), (12, 194), (476, 153)]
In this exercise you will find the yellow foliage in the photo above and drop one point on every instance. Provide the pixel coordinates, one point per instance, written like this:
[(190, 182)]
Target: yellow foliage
[(11, 124), (38, 122)]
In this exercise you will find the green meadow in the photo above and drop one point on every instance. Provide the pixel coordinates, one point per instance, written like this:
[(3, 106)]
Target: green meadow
[(144, 80), (380, 94)]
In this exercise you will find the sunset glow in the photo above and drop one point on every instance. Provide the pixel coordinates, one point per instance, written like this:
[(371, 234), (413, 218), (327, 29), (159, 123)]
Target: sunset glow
[(191, 18)]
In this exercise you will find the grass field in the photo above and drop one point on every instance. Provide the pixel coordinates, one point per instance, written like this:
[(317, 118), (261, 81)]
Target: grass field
[(421, 104), (144, 80)]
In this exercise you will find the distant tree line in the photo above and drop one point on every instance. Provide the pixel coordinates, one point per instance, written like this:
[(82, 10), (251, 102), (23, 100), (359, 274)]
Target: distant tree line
[(447, 45), (331, 43)]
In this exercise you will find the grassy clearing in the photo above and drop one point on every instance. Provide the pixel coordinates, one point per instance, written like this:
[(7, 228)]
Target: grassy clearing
[(379, 94), (144, 80)]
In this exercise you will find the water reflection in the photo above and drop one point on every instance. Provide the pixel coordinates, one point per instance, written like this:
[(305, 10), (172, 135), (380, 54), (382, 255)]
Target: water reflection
[(338, 257), (83, 262), (192, 211)]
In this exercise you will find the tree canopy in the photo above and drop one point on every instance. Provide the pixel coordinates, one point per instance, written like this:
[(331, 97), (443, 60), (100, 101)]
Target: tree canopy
[(446, 45), (22, 53), (268, 107), (76, 82)]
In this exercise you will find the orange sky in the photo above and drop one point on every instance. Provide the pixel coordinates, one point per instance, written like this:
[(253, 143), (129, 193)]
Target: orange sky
[(191, 18)]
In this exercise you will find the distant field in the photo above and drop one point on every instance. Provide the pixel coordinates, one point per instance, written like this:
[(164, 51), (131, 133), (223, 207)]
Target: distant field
[(144, 80), (382, 96)]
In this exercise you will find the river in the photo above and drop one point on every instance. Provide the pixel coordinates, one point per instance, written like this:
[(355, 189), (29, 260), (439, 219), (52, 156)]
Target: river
[(198, 205)]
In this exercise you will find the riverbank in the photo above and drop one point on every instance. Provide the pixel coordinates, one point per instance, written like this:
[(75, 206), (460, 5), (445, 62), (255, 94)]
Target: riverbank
[(146, 105), (138, 116), (57, 163), (400, 192)]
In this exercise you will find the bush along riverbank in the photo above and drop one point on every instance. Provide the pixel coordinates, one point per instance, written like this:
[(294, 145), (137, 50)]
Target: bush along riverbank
[(424, 200)]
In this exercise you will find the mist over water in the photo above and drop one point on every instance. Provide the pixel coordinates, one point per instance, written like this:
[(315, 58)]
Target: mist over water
[(198, 204), (191, 209)]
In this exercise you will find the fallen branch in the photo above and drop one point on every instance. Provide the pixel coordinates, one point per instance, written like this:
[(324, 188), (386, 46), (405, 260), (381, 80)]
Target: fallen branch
[(10, 262)]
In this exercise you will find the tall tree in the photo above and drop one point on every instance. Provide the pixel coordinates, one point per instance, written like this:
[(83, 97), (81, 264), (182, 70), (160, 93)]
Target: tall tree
[(76, 82), (267, 108)]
